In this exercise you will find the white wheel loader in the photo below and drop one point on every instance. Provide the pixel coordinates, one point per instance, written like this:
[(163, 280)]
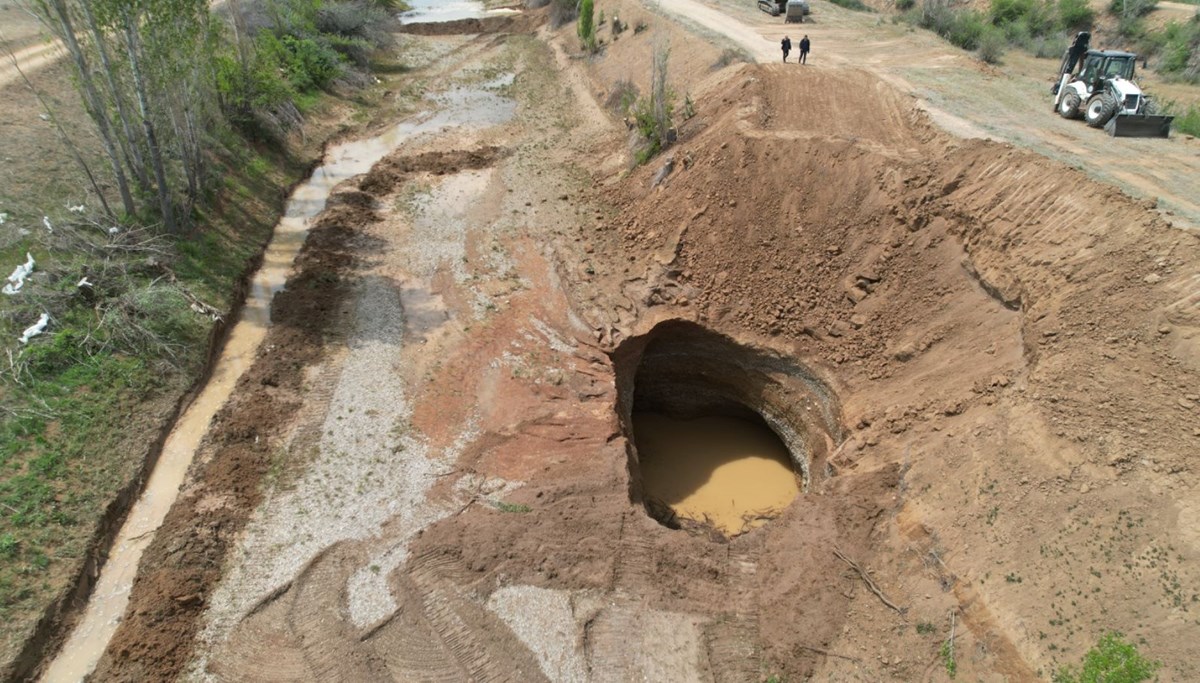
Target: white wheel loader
[(1103, 93)]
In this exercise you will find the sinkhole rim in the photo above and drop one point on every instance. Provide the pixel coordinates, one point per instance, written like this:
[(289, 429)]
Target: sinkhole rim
[(684, 370)]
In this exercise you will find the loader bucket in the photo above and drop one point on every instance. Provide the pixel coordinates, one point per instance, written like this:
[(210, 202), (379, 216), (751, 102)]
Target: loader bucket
[(1139, 126)]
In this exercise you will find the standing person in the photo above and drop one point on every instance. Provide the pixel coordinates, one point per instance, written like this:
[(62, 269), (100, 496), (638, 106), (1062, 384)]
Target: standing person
[(804, 45), (786, 45)]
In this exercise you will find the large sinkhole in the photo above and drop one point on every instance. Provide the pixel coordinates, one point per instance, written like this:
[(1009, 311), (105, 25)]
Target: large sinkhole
[(721, 435)]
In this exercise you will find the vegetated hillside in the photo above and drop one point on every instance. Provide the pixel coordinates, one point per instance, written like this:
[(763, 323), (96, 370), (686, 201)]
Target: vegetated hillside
[(132, 310)]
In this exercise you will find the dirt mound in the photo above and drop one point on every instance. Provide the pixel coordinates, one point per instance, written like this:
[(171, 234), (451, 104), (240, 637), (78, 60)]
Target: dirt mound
[(387, 174), (940, 284)]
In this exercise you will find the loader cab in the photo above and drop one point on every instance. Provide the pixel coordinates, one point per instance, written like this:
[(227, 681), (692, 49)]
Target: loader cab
[(1103, 65)]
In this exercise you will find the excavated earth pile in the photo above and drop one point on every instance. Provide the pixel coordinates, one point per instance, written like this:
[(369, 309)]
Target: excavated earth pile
[(982, 364)]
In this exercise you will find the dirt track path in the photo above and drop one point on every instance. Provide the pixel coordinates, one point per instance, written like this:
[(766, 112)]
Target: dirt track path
[(29, 59), (967, 98)]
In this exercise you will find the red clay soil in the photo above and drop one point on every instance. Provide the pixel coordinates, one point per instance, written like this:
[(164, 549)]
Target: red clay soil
[(1014, 350)]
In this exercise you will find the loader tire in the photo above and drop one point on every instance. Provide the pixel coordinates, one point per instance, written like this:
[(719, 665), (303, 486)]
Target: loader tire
[(1068, 107), (1099, 110)]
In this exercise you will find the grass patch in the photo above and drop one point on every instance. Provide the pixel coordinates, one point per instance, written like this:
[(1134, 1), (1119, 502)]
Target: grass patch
[(1187, 121), (518, 508), (82, 402)]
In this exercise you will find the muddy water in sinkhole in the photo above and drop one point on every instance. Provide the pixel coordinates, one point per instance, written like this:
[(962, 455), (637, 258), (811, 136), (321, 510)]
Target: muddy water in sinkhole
[(725, 471), (460, 108)]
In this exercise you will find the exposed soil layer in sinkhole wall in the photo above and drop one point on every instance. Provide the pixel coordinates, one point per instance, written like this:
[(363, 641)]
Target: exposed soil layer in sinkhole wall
[(723, 402)]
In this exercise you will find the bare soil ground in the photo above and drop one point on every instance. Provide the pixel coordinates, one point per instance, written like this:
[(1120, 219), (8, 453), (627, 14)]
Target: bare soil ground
[(425, 475)]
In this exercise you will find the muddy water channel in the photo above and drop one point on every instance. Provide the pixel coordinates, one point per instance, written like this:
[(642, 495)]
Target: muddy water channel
[(110, 596), (728, 472)]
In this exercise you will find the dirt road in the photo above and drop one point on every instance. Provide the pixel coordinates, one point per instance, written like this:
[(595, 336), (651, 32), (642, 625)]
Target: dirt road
[(1009, 103), (982, 362)]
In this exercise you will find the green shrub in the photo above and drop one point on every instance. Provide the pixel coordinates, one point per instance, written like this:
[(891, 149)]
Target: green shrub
[(1112, 660), (905, 5), (307, 64), (991, 45), (1187, 121), (1008, 11), (962, 27), (1075, 15), (1180, 49), (1131, 8), (586, 27)]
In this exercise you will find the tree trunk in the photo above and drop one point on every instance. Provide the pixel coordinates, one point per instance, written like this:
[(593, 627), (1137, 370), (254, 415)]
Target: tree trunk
[(160, 173), (95, 105), (130, 143)]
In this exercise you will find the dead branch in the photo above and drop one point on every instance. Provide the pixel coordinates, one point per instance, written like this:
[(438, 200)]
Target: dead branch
[(827, 653), (867, 579)]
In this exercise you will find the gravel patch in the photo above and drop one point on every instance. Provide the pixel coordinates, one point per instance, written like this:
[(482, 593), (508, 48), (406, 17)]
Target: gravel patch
[(545, 622), (371, 469)]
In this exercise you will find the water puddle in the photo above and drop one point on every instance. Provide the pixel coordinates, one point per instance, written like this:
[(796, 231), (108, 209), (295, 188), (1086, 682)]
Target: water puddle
[(431, 11), (111, 594), (724, 471)]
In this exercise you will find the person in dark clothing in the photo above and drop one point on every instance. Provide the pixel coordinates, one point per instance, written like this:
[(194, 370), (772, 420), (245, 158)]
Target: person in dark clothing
[(804, 46), (786, 44)]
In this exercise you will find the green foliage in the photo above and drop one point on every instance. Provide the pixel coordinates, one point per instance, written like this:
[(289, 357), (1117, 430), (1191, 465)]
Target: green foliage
[(905, 5), (1112, 660), (306, 63), (1131, 8), (925, 628), (991, 45), (1035, 25), (1187, 121), (1008, 11), (586, 27), (652, 114), (519, 508), (244, 89), (948, 659), (1075, 15), (1180, 51)]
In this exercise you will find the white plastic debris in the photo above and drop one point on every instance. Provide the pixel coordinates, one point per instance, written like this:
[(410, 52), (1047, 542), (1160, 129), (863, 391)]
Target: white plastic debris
[(3, 217), (17, 280), (46, 222), (44, 117), (77, 209), (113, 230), (84, 283), (36, 328)]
